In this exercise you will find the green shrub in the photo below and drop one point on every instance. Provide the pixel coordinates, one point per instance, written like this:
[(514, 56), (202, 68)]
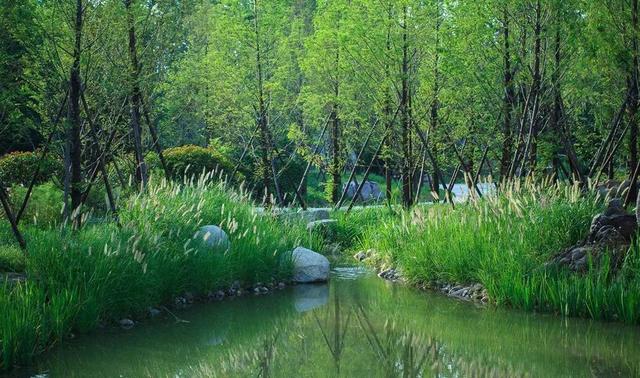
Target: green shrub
[(12, 259), (190, 161), (17, 168), (104, 272), (44, 207)]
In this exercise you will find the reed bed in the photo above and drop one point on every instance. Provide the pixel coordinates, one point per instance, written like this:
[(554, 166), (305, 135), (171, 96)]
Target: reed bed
[(79, 280), (503, 241)]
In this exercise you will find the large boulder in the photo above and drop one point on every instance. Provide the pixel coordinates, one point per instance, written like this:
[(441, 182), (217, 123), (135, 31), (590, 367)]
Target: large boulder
[(309, 266), (611, 232), (213, 237), (370, 191)]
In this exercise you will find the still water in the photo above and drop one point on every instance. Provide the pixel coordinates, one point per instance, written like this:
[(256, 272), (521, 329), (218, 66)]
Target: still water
[(357, 326)]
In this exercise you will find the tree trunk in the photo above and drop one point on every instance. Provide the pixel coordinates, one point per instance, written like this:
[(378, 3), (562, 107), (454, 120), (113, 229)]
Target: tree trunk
[(336, 171), (537, 82), (633, 98), (135, 99), (263, 123), (509, 96), (435, 107), (74, 142), (407, 191)]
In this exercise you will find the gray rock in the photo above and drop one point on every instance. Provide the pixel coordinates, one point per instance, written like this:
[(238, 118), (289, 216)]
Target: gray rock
[(309, 266), (126, 323), (370, 191), (213, 237), (308, 216), (321, 224), (360, 256), (154, 312)]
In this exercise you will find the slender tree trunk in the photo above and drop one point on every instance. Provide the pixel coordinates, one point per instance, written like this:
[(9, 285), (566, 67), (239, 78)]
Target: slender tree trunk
[(336, 170), (509, 96), (407, 191), (388, 161), (4, 200), (135, 98), (435, 107), (263, 123), (537, 81), (74, 142), (632, 109)]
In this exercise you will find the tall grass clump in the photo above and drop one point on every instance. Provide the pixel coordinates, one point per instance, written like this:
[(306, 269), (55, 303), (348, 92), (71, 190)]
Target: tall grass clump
[(503, 242), (76, 280)]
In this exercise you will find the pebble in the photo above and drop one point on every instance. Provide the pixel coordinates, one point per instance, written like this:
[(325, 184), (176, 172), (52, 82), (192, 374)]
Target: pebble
[(154, 312), (126, 323)]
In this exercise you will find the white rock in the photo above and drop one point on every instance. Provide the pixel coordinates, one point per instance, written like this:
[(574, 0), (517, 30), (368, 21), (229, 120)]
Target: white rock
[(321, 224), (213, 237), (309, 266)]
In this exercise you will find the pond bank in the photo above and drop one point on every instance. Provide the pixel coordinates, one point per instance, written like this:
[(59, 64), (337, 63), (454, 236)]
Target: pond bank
[(285, 332)]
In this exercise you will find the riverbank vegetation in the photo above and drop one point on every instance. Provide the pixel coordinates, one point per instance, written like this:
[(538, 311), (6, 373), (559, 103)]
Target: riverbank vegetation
[(76, 281), (505, 243), (108, 108)]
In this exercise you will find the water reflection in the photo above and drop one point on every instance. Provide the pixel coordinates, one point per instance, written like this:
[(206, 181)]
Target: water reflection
[(353, 328)]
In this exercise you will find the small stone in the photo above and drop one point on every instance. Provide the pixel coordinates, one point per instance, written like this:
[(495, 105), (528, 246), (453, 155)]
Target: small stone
[(360, 256), (281, 285), (154, 312), (126, 323)]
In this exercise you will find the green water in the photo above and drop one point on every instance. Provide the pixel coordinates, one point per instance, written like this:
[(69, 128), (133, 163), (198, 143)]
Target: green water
[(357, 326)]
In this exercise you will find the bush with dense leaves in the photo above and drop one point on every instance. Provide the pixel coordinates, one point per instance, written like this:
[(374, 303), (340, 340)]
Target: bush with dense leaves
[(191, 160), (19, 167)]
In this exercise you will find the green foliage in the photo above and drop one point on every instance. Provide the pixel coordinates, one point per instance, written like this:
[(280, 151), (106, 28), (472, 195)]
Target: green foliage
[(17, 168), (104, 272), (190, 160), (503, 243), (12, 259), (45, 204)]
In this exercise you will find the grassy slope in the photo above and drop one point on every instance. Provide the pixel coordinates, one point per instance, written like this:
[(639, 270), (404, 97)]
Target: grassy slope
[(503, 243), (102, 273)]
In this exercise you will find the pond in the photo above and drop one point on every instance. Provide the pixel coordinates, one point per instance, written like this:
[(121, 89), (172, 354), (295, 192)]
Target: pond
[(356, 326)]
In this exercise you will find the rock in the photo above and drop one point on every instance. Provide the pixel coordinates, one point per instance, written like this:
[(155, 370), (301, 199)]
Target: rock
[(610, 232), (308, 297), (360, 256), (281, 285), (213, 237), (309, 266), (308, 216), (189, 297), (180, 302), (126, 323), (321, 225), (216, 296), (154, 312), (370, 191)]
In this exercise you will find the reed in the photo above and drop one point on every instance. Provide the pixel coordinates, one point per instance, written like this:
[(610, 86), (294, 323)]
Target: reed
[(77, 280), (503, 241)]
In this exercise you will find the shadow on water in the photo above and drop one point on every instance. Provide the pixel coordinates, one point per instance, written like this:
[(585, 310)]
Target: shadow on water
[(356, 326)]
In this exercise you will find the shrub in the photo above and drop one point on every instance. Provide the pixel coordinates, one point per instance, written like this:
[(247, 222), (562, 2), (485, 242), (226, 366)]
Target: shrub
[(44, 207), (17, 168), (12, 259), (191, 160), (104, 272)]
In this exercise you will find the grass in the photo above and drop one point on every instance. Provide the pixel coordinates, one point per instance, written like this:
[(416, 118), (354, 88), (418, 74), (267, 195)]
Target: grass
[(78, 280), (503, 242)]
